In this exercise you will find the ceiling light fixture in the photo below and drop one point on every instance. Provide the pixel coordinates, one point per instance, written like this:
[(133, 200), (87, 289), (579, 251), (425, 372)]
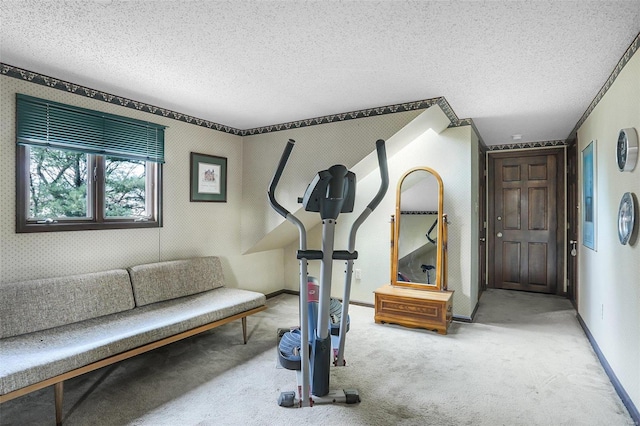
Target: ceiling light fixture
[(516, 137)]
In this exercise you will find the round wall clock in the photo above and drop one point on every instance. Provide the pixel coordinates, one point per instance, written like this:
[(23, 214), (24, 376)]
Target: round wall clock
[(627, 149), (626, 218)]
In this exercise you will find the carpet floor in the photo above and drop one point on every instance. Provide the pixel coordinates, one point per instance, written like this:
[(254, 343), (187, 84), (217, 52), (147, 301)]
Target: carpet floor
[(523, 361)]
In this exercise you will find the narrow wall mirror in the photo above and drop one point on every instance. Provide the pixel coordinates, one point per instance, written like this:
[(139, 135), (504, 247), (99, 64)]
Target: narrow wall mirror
[(418, 231)]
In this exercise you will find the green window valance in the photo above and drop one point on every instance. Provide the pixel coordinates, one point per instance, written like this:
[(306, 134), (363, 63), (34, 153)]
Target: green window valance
[(45, 123)]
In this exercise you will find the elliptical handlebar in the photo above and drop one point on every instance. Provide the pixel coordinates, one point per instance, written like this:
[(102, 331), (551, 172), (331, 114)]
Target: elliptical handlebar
[(384, 174), (384, 185), (276, 178), (382, 163)]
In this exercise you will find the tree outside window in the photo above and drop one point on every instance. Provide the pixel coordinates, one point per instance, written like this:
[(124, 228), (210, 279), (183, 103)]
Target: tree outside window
[(72, 190), (57, 184), (125, 188)]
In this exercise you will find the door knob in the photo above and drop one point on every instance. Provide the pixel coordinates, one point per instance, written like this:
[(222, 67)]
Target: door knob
[(482, 240), (499, 234)]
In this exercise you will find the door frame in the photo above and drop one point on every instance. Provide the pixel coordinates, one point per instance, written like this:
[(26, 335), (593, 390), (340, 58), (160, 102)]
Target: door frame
[(573, 198), (560, 153), (482, 223)]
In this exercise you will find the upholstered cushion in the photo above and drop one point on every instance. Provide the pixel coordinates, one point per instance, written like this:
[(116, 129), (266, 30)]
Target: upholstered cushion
[(30, 306), (34, 357), (156, 282)]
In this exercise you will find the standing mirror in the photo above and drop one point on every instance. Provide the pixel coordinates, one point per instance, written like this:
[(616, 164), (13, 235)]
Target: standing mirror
[(418, 231), (418, 257)]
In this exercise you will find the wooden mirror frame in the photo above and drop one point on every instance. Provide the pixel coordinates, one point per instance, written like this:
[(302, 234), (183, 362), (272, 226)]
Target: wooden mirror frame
[(440, 282)]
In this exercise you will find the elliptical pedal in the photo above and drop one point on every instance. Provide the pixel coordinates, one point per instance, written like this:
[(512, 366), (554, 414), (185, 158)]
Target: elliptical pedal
[(289, 350), (335, 316)]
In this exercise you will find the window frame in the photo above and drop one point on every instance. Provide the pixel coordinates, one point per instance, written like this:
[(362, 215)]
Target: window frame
[(96, 200)]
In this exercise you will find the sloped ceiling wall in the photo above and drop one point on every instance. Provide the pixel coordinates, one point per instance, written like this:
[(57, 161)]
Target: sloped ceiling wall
[(351, 143)]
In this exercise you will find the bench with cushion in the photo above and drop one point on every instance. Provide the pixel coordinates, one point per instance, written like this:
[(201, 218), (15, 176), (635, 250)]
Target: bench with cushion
[(57, 328)]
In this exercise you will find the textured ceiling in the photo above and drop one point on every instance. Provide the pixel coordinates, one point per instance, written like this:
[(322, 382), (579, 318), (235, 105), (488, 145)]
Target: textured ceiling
[(514, 67)]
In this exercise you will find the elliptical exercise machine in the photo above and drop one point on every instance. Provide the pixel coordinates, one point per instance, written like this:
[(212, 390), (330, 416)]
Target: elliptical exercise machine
[(323, 323)]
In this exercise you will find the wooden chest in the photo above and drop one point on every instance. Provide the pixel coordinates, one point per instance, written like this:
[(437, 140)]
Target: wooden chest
[(416, 308)]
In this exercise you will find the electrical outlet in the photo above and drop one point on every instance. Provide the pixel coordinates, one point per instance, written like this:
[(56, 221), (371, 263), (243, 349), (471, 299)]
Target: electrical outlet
[(358, 273)]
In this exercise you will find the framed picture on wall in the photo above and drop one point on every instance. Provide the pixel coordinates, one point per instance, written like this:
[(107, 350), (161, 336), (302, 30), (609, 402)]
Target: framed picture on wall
[(589, 206), (208, 178)]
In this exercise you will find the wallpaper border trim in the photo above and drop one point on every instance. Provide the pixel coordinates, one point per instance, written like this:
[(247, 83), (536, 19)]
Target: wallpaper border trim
[(55, 83), (524, 145), (631, 50), (388, 109), (44, 80)]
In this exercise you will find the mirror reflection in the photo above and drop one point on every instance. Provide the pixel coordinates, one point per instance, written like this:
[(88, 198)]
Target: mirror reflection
[(417, 228)]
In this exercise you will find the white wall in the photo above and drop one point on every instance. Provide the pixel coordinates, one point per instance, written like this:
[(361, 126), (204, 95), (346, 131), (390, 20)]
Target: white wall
[(317, 147), (450, 154), (609, 278), (190, 229), (229, 229)]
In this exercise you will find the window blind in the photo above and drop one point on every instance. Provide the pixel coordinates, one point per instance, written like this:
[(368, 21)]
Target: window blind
[(46, 123)]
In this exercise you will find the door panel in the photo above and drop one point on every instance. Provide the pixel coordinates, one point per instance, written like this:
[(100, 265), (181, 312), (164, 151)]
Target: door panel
[(511, 256), (537, 263), (538, 209), (511, 208), (527, 196)]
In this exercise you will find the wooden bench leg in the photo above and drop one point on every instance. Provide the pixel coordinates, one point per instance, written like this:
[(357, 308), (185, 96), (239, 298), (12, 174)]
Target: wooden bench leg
[(244, 329), (58, 392)]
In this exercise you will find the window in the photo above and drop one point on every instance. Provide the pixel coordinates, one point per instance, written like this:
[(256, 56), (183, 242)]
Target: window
[(81, 169)]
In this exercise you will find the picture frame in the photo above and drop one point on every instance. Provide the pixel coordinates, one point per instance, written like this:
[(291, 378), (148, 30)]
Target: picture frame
[(589, 196), (208, 178)]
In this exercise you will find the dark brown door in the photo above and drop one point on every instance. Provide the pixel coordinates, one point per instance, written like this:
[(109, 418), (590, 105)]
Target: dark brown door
[(527, 211)]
